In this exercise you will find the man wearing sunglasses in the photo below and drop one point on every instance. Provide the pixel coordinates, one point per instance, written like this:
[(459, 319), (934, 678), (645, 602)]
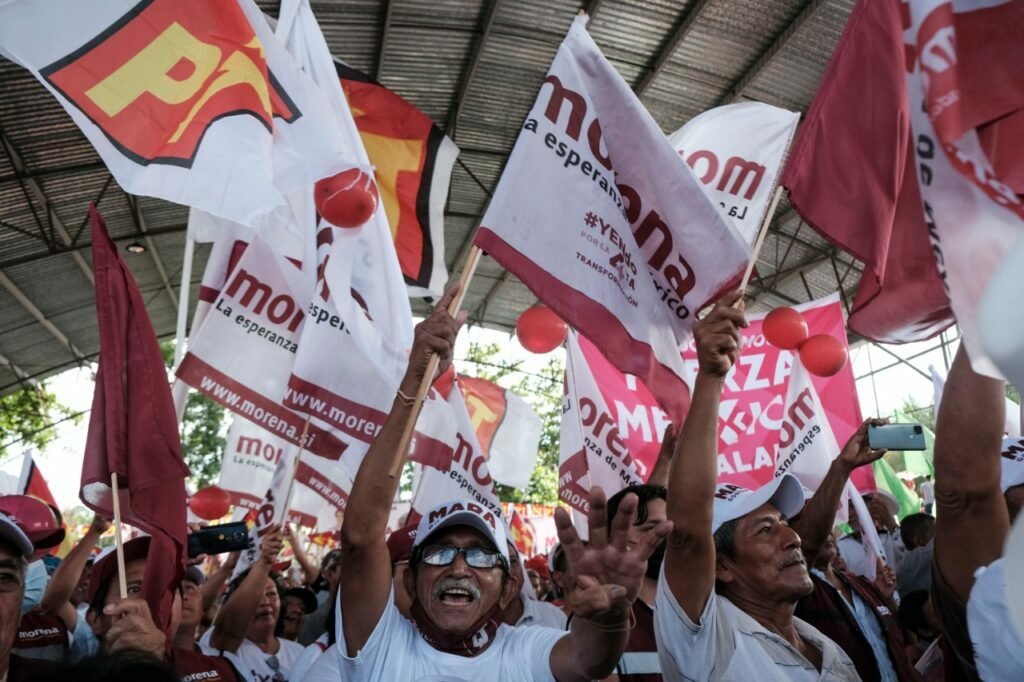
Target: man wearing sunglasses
[(458, 576)]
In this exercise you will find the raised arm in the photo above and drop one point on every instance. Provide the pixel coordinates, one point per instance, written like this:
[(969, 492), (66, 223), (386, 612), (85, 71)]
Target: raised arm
[(238, 611), (56, 599), (310, 571), (971, 521), (215, 581), (816, 521), (690, 552), (365, 582), (606, 577), (659, 475)]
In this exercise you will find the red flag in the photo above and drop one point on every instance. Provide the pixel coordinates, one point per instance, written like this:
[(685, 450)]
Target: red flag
[(851, 176), (413, 161), (32, 482), (133, 431)]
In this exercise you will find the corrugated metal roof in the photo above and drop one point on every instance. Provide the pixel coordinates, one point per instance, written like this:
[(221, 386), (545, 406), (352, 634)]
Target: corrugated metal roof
[(482, 58)]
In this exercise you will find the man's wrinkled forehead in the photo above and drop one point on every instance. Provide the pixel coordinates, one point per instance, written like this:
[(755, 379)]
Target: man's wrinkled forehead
[(766, 512)]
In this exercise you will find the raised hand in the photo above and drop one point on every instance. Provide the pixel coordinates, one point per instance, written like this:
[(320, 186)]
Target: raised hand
[(885, 579), (857, 450), (271, 545), (606, 574), (134, 628), (717, 335), (436, 334)]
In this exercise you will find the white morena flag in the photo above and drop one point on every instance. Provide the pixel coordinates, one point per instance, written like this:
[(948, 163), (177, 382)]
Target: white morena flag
[(807, 445), (973, 218), (469, 477), (592, 450), (737, 152), (597, 216), (185, 100), (1012, 424), (242, 355), (251, 455), (869, 536), (507, 428), (374, 269)]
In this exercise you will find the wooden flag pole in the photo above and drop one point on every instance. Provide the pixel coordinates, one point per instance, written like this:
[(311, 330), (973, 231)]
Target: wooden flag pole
[(118, 542), (769, 214), (286, 503), (472, 260)]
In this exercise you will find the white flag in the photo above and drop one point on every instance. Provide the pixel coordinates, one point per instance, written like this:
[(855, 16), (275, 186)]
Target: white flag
[(507, 428), (737, 152), (596, 214), (468, 478), (1011, 425), (186, 100), (807, 445), (973, 219)]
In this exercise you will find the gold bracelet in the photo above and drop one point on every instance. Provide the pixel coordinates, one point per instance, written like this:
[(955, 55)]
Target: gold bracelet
[(406, 400), (618, 627)]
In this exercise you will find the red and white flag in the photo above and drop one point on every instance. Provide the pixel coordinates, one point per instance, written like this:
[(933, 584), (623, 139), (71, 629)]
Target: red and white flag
[(737, 152), (242, 354), (468, 478), (597, 216), (856, 142), (507, 428), (186, 100), (964, 68), (807, 445), (251, 455), (592, 448)]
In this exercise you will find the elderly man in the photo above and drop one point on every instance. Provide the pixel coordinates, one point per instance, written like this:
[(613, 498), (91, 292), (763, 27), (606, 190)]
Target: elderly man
[(127, 624), (15, 549), (857, 614), (733, 567), (458, 576)]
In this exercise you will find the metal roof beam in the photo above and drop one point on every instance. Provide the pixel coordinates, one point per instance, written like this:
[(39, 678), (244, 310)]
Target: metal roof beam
[(73, 249), (768, 56), (140, 224), (28, 305), (37, 189), (690, 17), (382, 48), (481, 309), (18, 371), (460, 97)]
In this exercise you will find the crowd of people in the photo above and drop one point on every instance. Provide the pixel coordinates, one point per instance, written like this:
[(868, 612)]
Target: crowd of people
[(682, 578)]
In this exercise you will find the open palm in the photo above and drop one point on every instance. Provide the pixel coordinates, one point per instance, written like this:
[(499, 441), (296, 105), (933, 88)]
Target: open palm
[(605, 574)]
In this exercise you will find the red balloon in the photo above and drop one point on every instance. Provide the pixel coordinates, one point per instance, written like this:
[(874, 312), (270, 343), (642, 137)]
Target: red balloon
[(211, 502), (347, 199), (785, 328), (539, 330), (823, 355)]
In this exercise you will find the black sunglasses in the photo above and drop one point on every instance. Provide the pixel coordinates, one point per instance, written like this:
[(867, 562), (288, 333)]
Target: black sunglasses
[(475, 557)]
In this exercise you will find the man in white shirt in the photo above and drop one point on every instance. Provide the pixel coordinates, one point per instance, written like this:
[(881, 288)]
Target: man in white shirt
[(733, 568), (458, 574), (525, 609)]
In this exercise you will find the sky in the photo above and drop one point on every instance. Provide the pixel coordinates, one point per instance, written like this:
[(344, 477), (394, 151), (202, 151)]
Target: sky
[(880, 394)]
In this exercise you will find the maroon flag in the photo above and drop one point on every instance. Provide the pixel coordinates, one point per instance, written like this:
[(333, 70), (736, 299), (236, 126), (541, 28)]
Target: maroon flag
[(851, 175), (133, 431)]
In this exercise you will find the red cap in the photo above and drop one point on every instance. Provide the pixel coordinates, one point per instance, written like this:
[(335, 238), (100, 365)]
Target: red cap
[(401, 541), (539, 564), (105, 567), (35, 518)]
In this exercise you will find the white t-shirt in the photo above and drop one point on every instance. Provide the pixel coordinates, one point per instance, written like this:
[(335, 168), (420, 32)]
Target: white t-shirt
[(537, 612), (730, 646), (396, 651), (309, 656), (253, 663), (998, 650), (928, 492), (853, 553)]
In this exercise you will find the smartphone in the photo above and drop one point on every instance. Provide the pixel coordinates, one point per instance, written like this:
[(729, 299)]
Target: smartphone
[(227, 537), (897, 437)]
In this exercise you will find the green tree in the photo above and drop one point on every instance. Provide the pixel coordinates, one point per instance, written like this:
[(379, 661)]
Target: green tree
[(543, 391), (27, 417), (203, 432)]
